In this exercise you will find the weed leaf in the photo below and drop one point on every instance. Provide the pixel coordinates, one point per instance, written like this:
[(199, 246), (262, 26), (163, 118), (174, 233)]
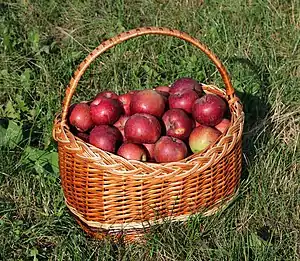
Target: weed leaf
[(12, 135)]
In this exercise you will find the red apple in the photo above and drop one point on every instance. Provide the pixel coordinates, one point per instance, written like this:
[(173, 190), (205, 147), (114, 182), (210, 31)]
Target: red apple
[(183, 100), (120, 124), (133, 91), (82, 135), (107, 94), (142, 128), (223, 125), (105, 111), (71, 108), (105, 137), (186, 83), (132, 151), (178, 123), (169, 149), (125, 99), (80, 117), (150, 150), (209, 109), (165, 96), (196, 124), (202, 137), (163, 90), (147, 101)]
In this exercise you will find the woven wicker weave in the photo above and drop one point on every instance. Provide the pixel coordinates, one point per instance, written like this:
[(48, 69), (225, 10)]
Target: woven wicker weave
[(111, 195)]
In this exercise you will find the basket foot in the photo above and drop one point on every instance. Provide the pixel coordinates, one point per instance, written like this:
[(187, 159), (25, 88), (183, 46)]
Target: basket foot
[(138, 235)]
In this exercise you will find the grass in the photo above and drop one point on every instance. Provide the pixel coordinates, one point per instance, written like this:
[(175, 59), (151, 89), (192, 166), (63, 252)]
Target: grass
[(41, 44)]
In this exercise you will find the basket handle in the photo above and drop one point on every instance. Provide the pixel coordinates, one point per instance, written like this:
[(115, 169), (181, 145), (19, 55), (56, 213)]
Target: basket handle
[(132, 34)]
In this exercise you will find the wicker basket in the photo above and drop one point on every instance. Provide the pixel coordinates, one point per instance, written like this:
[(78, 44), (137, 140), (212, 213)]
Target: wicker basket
[(110, 195)]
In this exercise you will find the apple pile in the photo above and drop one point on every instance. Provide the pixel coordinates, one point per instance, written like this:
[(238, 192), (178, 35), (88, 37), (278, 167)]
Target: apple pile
[(164, 124)]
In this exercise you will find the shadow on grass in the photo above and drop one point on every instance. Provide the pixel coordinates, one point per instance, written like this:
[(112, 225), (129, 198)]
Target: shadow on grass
[(256, 133), (256, 108)]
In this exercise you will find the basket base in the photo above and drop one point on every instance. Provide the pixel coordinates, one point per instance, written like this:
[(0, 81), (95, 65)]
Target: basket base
[(127, 236), (134, 235)]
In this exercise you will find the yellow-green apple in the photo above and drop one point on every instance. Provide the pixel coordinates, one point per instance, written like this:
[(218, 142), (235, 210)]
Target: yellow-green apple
[(201, 137)]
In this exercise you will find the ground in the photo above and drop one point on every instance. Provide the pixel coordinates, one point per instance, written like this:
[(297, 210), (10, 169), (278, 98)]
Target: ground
[(41, 44)]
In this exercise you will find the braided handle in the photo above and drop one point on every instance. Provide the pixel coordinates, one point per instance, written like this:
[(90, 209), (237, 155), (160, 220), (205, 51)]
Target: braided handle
[(132, 34)]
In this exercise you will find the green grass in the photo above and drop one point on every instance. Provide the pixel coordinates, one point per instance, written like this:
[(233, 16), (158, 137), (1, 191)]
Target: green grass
[(41, 44)]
